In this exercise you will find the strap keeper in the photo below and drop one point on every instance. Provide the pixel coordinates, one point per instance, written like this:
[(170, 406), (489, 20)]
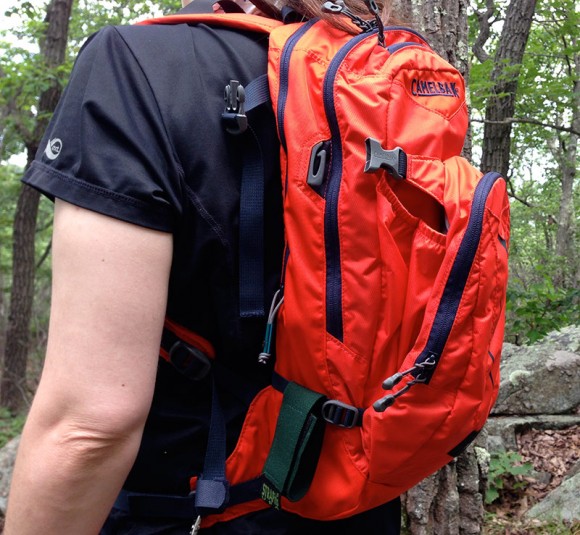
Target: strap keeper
[(211, 496)]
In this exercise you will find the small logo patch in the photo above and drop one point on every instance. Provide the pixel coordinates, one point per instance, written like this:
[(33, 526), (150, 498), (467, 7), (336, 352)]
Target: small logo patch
[(432, 88), (270, 496), (53, 148)]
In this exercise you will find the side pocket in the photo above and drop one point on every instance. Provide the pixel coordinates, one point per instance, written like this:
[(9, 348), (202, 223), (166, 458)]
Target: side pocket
[(462, 325)]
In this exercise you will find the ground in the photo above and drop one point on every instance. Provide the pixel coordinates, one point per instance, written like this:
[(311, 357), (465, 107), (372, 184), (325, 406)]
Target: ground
[(552, 454)]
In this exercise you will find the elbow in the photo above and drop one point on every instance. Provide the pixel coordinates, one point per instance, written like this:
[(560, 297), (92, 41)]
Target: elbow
[(91, 441), (80, 449), (85, 444)]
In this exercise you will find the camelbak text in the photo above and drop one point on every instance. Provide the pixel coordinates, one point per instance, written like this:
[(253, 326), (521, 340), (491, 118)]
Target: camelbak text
[(430, 88)]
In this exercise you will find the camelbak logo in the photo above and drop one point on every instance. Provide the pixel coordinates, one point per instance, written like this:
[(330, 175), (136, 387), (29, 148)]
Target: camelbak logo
[(431, 88), (53, 148)]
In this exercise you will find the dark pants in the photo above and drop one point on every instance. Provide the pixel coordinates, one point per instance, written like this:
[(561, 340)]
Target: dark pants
[(384, 520)]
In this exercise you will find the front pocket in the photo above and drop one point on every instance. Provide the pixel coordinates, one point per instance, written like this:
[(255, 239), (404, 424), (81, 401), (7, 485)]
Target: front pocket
[(411, 255)]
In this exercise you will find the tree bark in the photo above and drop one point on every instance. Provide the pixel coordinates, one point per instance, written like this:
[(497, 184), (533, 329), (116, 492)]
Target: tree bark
[(567, 161), (443, 23), (13, 392), (501, 106)]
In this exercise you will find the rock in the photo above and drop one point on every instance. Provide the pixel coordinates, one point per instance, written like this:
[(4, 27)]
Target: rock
[(573, 471), (502, 430), (543, 378), (7, 457), (562, 504)]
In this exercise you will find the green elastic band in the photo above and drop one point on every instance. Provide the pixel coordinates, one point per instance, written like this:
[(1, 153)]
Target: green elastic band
[(292, 460)]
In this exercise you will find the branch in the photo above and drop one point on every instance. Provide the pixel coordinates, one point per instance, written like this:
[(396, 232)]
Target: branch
[(44, 255), (513, 195), (512, 120), (483, 20)]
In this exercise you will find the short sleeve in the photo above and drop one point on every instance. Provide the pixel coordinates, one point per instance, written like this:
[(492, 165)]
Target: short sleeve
[(107, 147)]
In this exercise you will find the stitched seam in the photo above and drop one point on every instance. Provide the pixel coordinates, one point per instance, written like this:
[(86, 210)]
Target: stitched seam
[(208, 218), (92, 187)]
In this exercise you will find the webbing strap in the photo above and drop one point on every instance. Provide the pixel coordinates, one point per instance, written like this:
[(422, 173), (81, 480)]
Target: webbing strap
[(212, 491), (251, 284), (293, 457), (144, 505), (257, 93)]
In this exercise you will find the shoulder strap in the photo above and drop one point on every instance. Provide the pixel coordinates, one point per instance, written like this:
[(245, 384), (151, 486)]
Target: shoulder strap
[(240, 21), (252, 96), (206, 6)]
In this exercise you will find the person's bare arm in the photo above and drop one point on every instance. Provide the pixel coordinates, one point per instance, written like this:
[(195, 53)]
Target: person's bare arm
[(84, 428)]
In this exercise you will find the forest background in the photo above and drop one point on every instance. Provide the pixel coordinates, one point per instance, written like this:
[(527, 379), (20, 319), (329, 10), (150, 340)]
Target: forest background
[(521, 59)]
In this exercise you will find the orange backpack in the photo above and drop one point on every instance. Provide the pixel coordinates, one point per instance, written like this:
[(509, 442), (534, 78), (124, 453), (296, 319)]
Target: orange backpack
[(390, 318)]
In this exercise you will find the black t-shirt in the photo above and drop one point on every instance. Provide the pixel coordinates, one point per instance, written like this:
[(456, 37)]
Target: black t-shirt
[(138, 136)]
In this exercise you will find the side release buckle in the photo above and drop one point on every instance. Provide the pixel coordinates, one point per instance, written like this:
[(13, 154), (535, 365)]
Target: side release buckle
[(234, 116), (394, 161)]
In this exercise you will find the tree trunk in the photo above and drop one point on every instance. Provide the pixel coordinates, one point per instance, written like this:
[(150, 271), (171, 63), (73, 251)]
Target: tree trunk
[(501, 106), (443, 23), (567, 161), (13, 392), (13, 387)]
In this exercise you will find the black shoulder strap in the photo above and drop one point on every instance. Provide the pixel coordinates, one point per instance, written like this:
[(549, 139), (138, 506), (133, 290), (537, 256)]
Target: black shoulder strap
[(206, 6)]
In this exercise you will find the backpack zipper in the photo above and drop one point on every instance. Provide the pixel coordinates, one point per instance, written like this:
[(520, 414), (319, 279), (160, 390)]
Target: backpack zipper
[(427, 361), (449, 304), (334, 324), (285, 76)]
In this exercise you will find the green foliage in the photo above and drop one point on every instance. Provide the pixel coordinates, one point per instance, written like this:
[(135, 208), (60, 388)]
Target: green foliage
[(534, 309), (543, 292), (10, 426), (495, 524), (9, 188), (505, 467)]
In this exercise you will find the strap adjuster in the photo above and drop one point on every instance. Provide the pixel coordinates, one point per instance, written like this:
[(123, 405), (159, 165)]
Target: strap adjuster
[(341, 414), (189, 360)]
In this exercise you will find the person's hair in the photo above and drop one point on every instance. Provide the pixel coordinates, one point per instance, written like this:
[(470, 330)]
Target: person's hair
[(313, 8)]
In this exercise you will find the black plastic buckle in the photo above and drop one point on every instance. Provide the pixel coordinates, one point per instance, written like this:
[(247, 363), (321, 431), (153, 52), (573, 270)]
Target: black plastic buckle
[(394, 161), (340, 414), (234, 117), (190, 361)]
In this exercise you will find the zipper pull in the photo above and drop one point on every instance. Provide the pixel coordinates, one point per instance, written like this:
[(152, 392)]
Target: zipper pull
[(339, 7), (266, 353), (374, 9), (420, 371)]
